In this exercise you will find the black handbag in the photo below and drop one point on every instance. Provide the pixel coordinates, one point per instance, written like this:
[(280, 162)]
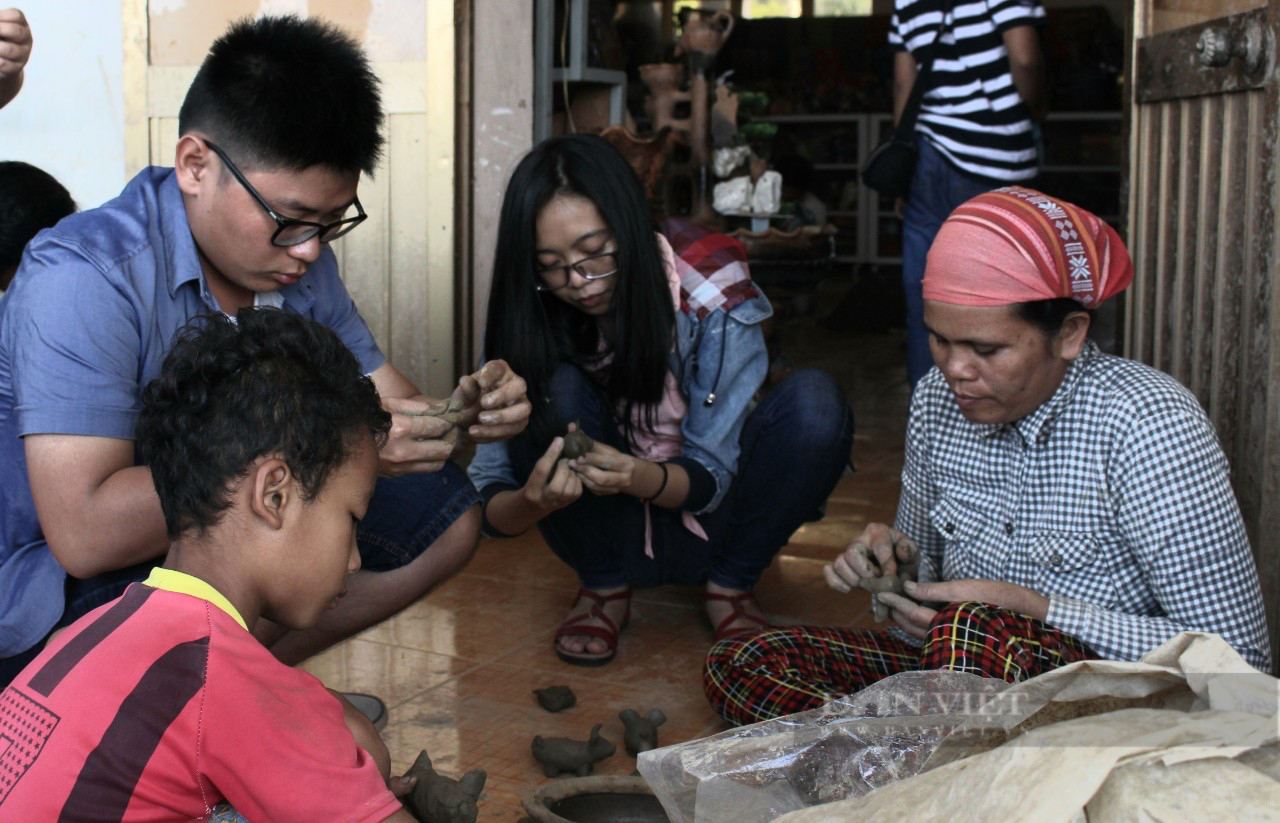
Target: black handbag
[(891, 164)]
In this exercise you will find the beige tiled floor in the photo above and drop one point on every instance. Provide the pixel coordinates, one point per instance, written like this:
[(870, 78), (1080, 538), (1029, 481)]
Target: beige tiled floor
[(457, 668)]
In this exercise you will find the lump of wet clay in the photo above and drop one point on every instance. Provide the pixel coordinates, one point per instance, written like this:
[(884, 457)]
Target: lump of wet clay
[(449, 411), (561, 754), (888, 583), (576, 444), (439, 799), (555, 698), (640, 733)]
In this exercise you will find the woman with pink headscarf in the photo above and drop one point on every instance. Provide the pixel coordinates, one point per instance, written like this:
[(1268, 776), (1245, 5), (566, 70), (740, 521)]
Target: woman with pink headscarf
[(1061, 504)]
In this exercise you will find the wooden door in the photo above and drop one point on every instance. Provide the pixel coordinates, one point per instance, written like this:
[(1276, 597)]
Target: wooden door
[(1202, 230), (399, 265)]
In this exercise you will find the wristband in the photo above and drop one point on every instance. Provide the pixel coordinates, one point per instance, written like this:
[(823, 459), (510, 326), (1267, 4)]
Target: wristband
[(663, 487)]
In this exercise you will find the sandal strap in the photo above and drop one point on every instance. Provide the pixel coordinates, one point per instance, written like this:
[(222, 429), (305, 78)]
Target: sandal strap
[(738, 612), (609, 631), (600, 599), (735, 599), (570, 625)]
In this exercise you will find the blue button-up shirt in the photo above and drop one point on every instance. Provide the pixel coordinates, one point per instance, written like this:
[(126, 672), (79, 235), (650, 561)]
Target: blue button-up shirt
[(83, 328)]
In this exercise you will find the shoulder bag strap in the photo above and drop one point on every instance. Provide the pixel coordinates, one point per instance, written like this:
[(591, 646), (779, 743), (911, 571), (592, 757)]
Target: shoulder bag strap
[(907, 125)]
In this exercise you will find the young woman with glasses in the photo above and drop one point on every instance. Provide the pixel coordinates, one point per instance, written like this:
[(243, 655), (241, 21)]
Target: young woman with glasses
[(656, 353)]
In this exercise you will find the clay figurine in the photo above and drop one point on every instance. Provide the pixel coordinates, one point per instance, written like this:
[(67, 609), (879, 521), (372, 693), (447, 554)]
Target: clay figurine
[(560, 754), (641, 733), (889, 583), (439, 799), (556, 698), (576, 444)]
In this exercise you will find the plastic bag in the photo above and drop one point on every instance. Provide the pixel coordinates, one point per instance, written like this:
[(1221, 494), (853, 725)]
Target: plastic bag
[(844, 749)]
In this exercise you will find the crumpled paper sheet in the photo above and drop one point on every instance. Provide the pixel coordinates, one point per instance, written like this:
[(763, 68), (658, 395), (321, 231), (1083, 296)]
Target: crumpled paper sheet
[(1202, 744)]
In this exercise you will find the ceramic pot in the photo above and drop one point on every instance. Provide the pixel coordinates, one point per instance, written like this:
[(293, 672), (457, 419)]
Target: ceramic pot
[(602, 799), (706, 33)]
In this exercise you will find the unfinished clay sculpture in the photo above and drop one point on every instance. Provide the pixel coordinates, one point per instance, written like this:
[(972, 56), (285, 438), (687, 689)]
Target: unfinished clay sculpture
[(640, 734), (889, 583), (561, 754), (449, 411), (439, 799), (555, 698), (577, 443)]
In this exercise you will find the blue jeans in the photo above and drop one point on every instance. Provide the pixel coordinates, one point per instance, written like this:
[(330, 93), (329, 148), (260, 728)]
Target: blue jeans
[(937, 187), (406, 515), (795, 445)]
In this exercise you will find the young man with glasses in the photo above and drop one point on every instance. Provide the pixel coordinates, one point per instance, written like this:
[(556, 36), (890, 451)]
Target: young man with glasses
[(277, 126)]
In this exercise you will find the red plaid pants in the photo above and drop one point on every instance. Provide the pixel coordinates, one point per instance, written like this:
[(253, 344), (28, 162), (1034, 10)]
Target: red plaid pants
[(789, 669)]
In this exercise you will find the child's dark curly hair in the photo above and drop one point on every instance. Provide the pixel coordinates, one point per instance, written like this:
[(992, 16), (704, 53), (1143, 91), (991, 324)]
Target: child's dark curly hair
[(269, 383)]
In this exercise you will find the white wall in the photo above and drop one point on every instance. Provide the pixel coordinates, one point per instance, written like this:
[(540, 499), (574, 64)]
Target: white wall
[(69, 117)]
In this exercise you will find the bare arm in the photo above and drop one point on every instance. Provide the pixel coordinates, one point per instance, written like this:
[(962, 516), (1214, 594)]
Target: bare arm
[(15, 49), (904, 77), (98, 511), (1026, 64)]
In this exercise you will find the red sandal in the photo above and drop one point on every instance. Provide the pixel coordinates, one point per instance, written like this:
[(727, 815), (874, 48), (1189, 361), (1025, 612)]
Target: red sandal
[(736, 601), (608, 632)]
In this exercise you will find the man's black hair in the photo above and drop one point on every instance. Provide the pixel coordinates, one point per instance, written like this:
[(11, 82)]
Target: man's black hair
[(284, 93), (1049, 315), (30, 200), (269, 383)]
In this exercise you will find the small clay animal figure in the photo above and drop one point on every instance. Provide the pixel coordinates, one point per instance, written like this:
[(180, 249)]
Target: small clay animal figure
[(640, 734), (439, 799), (556, 698), (561, 754), (576, 444)]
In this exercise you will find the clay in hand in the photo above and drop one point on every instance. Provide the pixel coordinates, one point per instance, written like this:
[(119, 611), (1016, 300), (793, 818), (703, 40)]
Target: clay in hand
[(576, 444), (891, 582)]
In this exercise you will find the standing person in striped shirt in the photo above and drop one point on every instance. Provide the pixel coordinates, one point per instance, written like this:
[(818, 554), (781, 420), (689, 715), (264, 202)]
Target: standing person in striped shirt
[(975, 128), (1061, 504)]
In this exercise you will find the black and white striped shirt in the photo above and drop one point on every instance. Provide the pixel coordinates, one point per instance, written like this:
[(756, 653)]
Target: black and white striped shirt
[(972, 113)]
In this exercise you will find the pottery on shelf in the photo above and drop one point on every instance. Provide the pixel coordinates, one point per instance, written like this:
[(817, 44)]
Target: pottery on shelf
[(705, 33)]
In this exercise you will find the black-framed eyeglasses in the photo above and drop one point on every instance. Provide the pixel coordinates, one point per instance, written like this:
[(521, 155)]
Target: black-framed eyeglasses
[(291, 232), (595, 267)]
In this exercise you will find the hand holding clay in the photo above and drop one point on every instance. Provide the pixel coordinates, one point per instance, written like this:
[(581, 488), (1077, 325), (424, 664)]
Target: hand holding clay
[(576, 442), (879, 561), (605, 470), (417, 440), (503, 403), (552, 485)]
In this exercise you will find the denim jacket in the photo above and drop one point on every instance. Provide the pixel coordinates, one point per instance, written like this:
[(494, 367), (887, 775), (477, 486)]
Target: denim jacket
[(719, 361)]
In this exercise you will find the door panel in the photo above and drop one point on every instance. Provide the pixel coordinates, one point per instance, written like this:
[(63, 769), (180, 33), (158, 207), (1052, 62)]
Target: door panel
[(1202, 231)]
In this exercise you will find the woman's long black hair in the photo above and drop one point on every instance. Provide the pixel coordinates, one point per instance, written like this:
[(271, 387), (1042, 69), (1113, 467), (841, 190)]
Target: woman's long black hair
[(536, 331)]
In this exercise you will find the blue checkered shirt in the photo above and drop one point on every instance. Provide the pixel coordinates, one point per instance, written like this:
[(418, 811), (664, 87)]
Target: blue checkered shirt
[(1112, 499)]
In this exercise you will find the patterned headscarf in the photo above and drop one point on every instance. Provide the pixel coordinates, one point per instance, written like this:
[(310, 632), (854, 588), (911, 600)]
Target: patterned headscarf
[(1016, 245)]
